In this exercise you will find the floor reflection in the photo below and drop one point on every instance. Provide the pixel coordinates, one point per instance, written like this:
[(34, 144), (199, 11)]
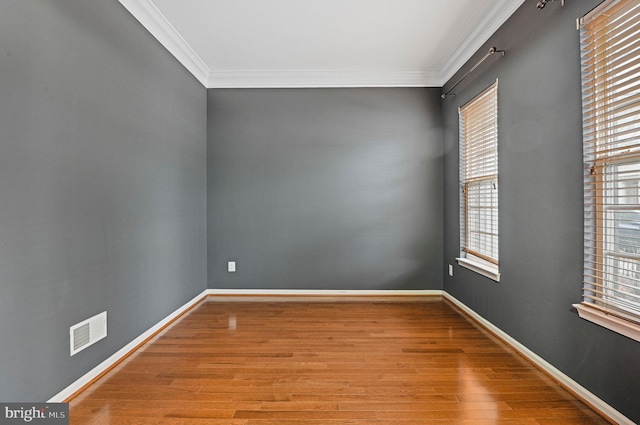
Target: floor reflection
[(471, 388)]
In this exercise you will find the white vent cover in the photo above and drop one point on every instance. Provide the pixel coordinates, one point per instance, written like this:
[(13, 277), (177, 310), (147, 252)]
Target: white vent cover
[(87, 332)]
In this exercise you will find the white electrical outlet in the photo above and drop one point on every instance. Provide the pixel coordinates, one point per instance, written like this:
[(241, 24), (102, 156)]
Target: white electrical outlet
[(450, 270), (231, 266)]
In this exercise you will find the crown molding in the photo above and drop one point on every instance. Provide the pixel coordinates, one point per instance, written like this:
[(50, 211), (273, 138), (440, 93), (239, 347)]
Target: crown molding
[(157, 24), (498, 16), (308, 78)]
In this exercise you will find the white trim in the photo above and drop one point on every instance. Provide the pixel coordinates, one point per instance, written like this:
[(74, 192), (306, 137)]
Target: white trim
[(120, 354), (157, 24), (502, 11), (146, 12), (608, 321), (485, 270), (559, 376), (311, 78), (325, 292)]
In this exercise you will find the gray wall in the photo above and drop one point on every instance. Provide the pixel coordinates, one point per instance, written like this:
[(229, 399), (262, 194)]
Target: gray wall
[(102, 186), (541, 205), (325, 188), (103, 192)]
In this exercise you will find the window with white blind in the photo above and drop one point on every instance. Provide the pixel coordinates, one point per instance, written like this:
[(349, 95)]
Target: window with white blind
[(479, 184), (610, 48)]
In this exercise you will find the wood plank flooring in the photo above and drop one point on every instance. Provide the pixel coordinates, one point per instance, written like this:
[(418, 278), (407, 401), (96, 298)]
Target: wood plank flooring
[(298, 362)]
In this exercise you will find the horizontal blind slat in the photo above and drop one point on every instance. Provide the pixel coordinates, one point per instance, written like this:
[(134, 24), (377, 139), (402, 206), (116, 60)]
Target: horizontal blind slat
[(597, 17), (614, 17), (610, 54), (596, 58), (478, 174)]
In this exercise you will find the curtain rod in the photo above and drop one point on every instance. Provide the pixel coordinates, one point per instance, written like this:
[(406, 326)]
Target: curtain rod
[(489, 53)]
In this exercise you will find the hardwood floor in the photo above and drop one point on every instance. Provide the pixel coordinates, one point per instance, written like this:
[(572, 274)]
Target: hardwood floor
[(299, 362)]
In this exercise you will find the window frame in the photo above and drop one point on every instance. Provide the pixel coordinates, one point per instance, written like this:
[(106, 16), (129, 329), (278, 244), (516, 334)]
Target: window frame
[(612, 162), (479, 237)]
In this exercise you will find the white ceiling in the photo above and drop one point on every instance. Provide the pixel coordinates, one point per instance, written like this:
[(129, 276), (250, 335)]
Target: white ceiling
[(322, 43)]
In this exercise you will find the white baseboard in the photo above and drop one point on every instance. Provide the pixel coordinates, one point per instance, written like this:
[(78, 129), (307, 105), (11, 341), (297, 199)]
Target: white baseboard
[(560, 377), (555, 373), (323, 292), (122, 353)]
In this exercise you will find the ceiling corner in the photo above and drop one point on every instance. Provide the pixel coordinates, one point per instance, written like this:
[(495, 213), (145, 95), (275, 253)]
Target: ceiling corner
[(158, 25), (498, 16), (148, 14)]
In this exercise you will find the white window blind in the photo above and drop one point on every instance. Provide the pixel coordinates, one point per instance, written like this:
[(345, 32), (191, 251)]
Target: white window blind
[(610, 48), (479, 179)]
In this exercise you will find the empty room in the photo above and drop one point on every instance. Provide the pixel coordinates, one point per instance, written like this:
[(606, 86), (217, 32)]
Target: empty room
[(320, 211)]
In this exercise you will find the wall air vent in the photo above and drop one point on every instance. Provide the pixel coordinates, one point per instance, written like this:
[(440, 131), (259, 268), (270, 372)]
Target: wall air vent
[(87, 332)]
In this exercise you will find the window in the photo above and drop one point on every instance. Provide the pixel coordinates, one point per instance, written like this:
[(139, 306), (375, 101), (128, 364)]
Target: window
[(479, 184), (610, 48)]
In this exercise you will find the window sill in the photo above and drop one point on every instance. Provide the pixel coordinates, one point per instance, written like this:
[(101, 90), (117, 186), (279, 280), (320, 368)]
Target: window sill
[(486, 270), (608, 321)]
